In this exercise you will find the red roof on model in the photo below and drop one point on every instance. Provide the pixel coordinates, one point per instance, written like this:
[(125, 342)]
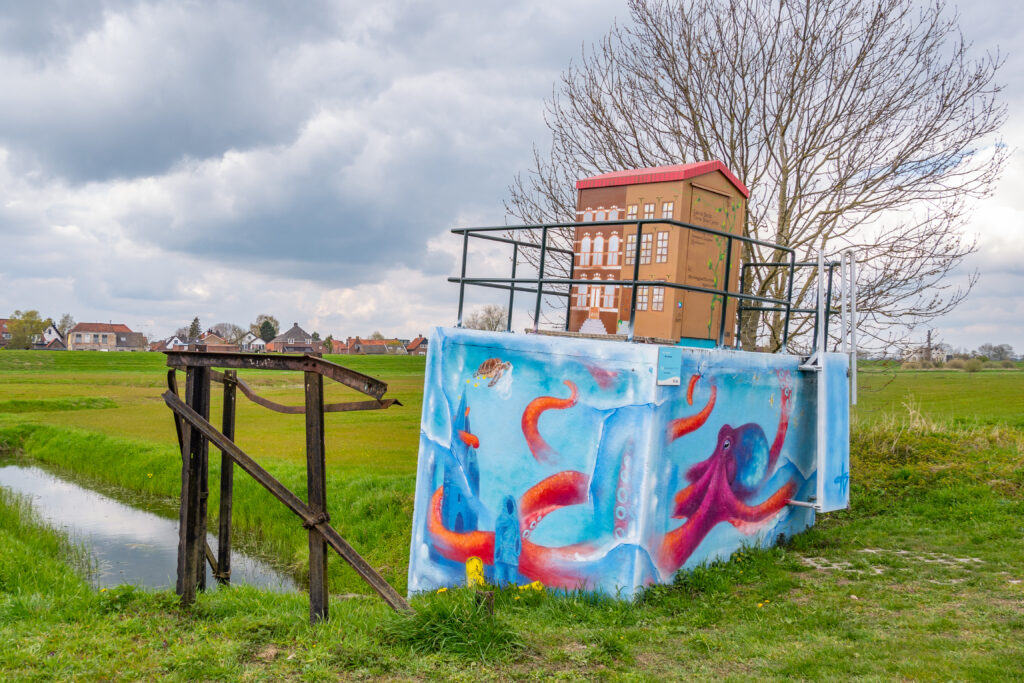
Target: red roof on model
[(660, 174)]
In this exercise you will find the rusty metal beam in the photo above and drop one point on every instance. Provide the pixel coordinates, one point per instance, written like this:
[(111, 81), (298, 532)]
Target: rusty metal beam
[(311, 519), (263, 361), (250, 394)]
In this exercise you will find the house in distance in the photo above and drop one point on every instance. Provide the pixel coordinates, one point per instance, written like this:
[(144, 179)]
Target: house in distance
[(705, 194)]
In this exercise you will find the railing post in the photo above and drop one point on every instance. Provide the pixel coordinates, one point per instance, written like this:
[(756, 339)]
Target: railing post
[(636, 277), (568, 296), (191, 514), (725, 296), (227, 481), (828, 303), (462, 278), (540, 275), (316, 486), (789, 301), (512, 286)]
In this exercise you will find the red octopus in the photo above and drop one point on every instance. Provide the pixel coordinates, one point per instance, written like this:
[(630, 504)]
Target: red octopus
[(721, 486)]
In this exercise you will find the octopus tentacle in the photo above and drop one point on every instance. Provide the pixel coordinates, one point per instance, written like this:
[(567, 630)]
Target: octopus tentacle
[(454, 545), (684, 425), (780, 434), (540, 449), (558, 490)]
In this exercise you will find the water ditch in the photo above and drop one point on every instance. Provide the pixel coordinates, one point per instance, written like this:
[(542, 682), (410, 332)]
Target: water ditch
[(127, 545)]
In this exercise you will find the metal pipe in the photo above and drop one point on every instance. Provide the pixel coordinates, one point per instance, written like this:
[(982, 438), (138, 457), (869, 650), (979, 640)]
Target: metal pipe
[(665, 221), (853, 324), (636, 277), (462, 279), (789, 302), (512, 290), (828, 306), (725, 297), (540, 275), (568, 298)]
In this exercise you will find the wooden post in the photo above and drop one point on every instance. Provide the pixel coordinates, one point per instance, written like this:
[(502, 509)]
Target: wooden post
[(316, 485), (191, 527), (227, 481)]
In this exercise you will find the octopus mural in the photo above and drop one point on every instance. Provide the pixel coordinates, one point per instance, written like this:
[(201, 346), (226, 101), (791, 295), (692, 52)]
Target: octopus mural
[(585, 474)]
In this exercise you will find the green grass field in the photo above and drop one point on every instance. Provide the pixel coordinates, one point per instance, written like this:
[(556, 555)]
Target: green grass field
[(922, 578)]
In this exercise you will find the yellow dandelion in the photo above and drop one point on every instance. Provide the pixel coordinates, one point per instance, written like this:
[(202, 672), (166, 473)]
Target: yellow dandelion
[(760, 605), (442, 589)]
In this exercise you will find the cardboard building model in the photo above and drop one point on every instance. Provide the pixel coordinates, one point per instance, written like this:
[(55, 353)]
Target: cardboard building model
[(704, 194)]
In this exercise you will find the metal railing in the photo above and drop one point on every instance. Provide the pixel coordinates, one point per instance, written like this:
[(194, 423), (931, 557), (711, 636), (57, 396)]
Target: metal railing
[(536, 285)]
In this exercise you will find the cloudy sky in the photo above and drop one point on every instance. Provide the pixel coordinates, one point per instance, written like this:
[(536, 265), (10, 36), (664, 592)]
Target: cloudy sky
[(161, 160)]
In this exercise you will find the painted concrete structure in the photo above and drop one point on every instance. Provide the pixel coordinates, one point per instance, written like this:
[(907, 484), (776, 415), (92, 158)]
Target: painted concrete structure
[(601, 465)]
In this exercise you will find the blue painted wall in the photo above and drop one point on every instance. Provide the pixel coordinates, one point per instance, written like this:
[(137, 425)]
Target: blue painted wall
[(561, 460)]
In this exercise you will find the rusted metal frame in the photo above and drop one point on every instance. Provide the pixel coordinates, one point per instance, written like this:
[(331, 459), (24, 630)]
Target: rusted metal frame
[(172, 385), (191, 528), (346, 407), (222, 568), (203, 393), (293, 502), (261, 361), (316, 492)]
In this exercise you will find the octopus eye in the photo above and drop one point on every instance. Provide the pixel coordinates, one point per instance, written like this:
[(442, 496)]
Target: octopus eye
[(726, 444)]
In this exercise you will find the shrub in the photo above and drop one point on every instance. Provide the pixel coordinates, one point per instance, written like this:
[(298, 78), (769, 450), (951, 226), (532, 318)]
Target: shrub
[(973, 365), (910, 365), (956, 363), (1009, 364), (991, 364)]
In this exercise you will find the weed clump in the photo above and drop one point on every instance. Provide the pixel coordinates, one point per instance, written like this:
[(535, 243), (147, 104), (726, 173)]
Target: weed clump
[(454, 623), (973, 365)]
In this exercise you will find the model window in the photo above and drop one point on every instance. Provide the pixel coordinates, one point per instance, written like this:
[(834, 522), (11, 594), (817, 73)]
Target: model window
[(630, 249), (613, 250), (662, 253), (599, 250), (585, 250), (609, 295), (649, 210), (581, 293), (631, 212), (641, 298), (95, 339), (599, 216), (658, 299), (595, 296), (666, 209), (588, 216), (645, 249), (78, 337), (613, 214)]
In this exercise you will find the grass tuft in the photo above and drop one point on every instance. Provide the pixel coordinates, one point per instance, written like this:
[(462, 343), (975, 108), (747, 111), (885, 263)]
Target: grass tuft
[(455, 623)]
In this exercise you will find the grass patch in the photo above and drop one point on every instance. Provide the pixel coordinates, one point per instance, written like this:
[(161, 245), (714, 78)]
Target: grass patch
[(40, 405), (920, 579)]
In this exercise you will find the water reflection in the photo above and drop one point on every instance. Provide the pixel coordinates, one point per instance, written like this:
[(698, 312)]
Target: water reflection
[(128, 545)]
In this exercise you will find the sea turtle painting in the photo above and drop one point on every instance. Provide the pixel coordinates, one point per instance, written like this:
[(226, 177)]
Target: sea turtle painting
[(492, 368)]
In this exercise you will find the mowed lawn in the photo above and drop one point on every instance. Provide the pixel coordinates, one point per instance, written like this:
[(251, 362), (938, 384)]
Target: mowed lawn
[(922, 579)]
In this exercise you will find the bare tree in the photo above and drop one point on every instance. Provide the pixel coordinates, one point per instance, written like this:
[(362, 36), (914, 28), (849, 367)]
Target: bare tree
[(490, 317), (854, 123), (228, 331), (65, 324)]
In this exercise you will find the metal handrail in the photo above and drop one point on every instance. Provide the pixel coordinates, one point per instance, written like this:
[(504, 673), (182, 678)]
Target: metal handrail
[(538, 285)]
